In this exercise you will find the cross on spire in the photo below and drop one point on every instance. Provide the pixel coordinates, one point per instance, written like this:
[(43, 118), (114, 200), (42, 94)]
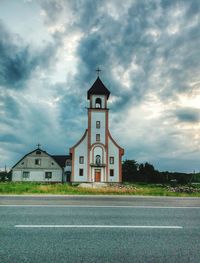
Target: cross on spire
[(98, 70), (38, 145)]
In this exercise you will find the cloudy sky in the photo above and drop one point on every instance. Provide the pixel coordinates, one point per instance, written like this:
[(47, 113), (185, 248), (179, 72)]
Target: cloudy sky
[(149, 53)]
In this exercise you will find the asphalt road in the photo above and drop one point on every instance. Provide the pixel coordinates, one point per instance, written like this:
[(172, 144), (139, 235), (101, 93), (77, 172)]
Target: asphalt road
[(99, 229), (88, 200)]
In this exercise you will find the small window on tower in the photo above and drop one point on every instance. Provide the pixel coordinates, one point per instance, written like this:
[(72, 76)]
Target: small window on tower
[(81, 159), (80, 172), (97, 124), (111, 160), (98, 137), (98, 103), (111, 172)]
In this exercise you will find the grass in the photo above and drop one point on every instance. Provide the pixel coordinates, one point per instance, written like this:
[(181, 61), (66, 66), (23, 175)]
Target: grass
[(126, 189)]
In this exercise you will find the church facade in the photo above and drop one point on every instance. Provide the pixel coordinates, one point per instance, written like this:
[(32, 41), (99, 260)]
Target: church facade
[(97, 157)]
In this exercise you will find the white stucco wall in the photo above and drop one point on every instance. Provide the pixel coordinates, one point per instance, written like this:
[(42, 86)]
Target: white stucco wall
[(98, 116), (81, 150), (37, 176), (113, 151), (17, 175)]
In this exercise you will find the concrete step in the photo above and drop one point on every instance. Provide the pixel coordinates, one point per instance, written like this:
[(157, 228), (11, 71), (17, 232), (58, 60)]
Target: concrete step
[(93, 185)]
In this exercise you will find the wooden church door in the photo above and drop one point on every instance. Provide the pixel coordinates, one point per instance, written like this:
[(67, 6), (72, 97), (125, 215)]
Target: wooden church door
[(97, 175)]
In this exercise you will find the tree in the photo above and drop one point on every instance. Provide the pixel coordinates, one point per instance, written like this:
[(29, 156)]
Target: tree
[(130, 170), (148, 173), (5, 176)]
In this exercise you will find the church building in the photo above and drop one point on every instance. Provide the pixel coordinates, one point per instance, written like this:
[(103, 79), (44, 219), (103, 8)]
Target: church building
[(96, 157)]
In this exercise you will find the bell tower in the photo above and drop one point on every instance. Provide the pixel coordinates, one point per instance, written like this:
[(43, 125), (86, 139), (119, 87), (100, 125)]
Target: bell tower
[(98, 96), (97, 157)]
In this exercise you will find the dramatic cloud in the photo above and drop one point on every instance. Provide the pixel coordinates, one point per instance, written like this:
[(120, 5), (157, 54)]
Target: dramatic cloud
[(188, 115), (149, 55), (15, 63)]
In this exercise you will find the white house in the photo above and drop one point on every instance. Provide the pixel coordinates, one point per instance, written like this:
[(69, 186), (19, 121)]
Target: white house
[(39, 166), (97, 157)]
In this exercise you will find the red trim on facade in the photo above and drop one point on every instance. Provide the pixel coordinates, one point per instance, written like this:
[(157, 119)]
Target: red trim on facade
[(97, 143), (107, 148), (89, 142)]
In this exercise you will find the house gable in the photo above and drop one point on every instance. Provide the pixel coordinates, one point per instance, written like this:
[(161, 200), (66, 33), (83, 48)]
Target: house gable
[(29, 161)]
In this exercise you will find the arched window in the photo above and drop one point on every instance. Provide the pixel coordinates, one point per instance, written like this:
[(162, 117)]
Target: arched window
[(98, 103), (98, 159)]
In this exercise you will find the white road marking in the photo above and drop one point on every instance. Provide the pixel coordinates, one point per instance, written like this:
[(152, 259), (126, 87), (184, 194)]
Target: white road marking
[(97, 226), (105, 206)]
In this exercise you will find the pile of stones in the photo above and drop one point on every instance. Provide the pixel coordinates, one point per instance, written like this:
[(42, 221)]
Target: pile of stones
[(122, 186), (183, 189)]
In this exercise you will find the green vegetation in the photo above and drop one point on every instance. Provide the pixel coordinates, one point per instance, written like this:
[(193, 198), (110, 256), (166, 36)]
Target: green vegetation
[(124, 189), (141, 179), (145, 172), (5, 176)]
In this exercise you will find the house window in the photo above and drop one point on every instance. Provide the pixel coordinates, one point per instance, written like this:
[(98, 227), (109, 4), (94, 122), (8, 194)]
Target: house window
[(38, 161), (80, 172), (97, 124), (48, 175), (111, 172), (38, 152), (111, 160), (81, 159), (25, 174), (98, 137)]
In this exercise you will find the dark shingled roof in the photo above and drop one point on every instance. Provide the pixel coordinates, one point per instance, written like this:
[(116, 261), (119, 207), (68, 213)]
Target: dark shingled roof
[(98, 88), (61, 159)]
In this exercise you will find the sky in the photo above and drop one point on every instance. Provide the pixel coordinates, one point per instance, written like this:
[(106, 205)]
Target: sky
[(149, 54)]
